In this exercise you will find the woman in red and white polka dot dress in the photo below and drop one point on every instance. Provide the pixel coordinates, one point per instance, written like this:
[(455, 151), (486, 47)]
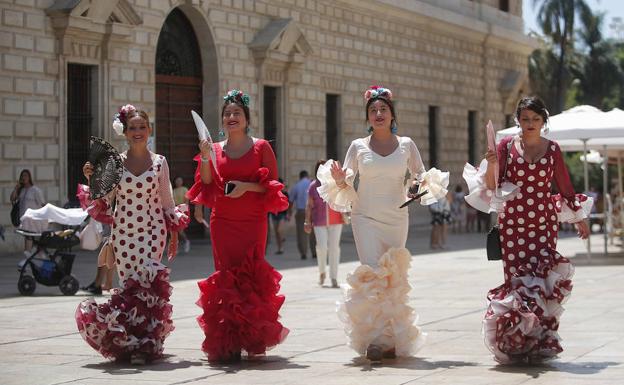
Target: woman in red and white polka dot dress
[(522, 318), (137, 319)]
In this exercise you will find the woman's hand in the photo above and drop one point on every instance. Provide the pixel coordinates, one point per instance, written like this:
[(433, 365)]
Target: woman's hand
[(413, 189), (172, 251), (205, 148), (87, 170), (582, 229), (338, 173), (239, 189), (307, 227), (491, 157)]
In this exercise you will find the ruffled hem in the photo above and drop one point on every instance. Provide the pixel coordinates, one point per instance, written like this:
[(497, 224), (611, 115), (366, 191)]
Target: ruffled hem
[(375, 310), (482, 198), (572, 210), (241, 310), (523, 317), (136, 319), (177, 218), (274, 199), (205, 194), (100, 210), (435, 182), (339, 199)]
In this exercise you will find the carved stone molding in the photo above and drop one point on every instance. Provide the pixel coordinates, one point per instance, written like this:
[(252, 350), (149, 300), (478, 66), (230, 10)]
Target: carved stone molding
[(337, 85)]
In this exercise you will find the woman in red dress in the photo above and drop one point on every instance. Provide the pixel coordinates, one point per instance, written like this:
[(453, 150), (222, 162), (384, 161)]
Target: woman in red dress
[(240, 300), (522, 318)]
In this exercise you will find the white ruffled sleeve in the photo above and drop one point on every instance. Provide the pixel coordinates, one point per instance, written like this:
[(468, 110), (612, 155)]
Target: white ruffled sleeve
[(434, 180), (339, 199), (482, 198)]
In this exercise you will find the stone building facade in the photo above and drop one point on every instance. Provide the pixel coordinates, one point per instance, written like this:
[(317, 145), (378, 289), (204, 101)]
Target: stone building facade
[(67, 65)]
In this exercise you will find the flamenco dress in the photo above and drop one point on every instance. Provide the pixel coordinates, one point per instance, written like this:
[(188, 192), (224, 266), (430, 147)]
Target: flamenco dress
[(240, 300), (375, 310), (137, 317), (522, 318)]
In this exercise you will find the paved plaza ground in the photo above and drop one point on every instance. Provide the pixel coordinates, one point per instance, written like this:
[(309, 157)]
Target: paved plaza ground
[(39, 343)]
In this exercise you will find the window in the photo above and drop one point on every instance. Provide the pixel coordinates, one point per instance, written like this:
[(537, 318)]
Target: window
[(433, 135), (271, 117), (81, 100), (472, 136), (332, 125), (503, 5)]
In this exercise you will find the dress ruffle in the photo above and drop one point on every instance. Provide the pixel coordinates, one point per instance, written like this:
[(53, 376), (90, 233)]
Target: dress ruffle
[(375, 310), (482, 198), (435, 182), (101, 211), (177, 218), (523, 317), (339, 199), (241, 310), (84, 195), (136, 319), (275, 200), (572, 210), (205, 194)]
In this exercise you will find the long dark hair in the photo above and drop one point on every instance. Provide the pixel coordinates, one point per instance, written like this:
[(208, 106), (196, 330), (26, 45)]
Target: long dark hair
[(27, 171)]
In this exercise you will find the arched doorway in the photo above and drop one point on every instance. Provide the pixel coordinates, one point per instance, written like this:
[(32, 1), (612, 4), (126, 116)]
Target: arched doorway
[(178, 91)]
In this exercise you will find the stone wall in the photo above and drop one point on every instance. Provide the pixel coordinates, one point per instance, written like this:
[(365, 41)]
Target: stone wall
[(459, 56)]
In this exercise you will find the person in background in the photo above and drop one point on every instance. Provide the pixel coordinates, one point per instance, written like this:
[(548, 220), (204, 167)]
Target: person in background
[(179, 197), (327, 225), (458, 212), (440, 218), (277, 220), (298, 198), (29, 197)]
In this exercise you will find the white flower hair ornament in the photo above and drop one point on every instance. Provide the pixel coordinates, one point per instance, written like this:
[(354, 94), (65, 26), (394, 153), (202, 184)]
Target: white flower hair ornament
[(120, 120)]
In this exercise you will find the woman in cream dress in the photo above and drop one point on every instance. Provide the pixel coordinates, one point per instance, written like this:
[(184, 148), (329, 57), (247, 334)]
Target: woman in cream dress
[(378, 320)]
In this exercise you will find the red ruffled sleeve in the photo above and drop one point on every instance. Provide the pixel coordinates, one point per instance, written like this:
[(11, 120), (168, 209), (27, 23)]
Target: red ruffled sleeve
[(84, 196), (274, 199), (100, 210), (570, 207), (205, 194), (177, 218)]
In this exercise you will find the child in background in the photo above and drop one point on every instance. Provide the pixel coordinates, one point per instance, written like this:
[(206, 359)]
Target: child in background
[(179, 197)]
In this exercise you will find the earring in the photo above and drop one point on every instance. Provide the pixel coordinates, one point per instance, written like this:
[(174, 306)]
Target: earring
[(393, 127), (247, 130), (370, 129), (221, 133)]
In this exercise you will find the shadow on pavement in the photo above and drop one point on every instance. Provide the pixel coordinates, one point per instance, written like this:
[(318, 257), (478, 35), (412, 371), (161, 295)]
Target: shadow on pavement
[(537, 370), (415, 363), (260, 363), (123, 368)]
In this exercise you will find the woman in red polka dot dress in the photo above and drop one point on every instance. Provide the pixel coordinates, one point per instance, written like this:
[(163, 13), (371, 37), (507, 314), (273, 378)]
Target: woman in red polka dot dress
[(240, 301), (522, 318), (134, 323)]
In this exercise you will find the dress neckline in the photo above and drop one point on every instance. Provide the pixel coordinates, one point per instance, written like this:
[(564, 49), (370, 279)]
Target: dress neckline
[(379, 155), (124, 155), (253, 144), (548, 144)]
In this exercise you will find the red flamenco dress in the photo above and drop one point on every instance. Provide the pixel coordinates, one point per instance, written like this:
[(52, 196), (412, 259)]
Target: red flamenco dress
[(240, 299)]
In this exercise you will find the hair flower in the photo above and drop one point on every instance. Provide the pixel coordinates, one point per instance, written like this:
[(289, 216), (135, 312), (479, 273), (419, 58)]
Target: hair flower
[(237, 96)]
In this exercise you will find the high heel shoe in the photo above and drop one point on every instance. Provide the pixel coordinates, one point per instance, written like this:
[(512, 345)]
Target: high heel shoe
[(321, 279), (374, 354)]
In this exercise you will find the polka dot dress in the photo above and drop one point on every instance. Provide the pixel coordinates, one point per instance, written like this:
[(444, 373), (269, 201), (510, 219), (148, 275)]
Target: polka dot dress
[(139, 232), (523, 315)]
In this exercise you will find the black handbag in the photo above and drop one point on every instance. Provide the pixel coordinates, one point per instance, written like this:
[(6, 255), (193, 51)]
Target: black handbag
[(15, 211), (493, 245)]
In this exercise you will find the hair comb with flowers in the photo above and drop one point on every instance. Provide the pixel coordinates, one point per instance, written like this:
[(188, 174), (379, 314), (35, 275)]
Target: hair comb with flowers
[(376, 92), (237, 96), (120, 120)]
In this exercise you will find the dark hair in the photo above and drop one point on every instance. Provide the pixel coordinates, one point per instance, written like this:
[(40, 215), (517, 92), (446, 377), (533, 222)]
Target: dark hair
[(385, 100), (27, 171), (318, 164), (534, 104), (303, 174), (133, 114), (241, 105)]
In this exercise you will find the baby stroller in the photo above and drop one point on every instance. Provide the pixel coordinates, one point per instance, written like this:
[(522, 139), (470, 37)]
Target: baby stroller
[(50, 269)]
